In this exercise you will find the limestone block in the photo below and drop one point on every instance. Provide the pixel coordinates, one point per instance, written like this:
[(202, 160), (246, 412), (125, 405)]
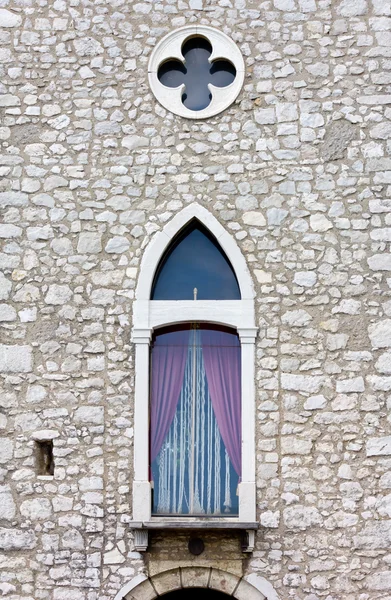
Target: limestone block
[(117, 245), (338, 137), (352, 8), (355, 384), (132, 142), (113, 557), (294, 445), (375, 535), (65, 593), (319, 222), (380, 334), (300, 517), (90, 242), (10, 231), (383, 363), (89, 415), (5, 287), (302, 383), (167, 581), (27, 421), (223, 581), (305, 278), (315, 403), (380, 262), (36, 509), (17, 539), (296, 318), (12, 198), (9, 19), (265, 116), (7, 313), (270, 519), (379, 581), (58, 294), (16, 359), (255, 218), (195, 577), (379, 446), (73, 540), (7, 504), (144, 591), (245, 591)]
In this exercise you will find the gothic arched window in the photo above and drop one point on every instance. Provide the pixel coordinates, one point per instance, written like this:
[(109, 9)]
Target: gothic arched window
[(194, 333)]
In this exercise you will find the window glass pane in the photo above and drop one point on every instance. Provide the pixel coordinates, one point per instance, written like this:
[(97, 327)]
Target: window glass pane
[(196, 421), (196, 73), (195, 260)]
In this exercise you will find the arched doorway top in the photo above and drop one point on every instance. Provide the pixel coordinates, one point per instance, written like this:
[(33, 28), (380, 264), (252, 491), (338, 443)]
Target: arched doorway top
[(158, 245), (250, 587)]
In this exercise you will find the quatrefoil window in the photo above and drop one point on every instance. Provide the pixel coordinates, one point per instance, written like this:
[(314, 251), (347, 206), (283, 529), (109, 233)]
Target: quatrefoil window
[(196, 72)]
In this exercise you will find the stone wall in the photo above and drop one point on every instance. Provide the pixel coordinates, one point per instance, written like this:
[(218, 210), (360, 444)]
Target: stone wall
[(298, 170)]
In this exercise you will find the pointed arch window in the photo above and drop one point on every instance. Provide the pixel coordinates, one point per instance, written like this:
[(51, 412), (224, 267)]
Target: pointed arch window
[(195, 260), (194, 453)]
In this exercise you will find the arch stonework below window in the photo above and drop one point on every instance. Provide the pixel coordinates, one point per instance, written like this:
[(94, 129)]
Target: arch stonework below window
[(250, 587)]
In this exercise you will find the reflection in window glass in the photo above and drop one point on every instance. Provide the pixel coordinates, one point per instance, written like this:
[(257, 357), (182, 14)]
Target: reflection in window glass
[(196, 421), (195, 260)]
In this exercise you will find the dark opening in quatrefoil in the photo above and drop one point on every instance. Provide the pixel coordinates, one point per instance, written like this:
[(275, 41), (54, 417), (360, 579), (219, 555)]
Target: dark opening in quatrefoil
[(196, 73)]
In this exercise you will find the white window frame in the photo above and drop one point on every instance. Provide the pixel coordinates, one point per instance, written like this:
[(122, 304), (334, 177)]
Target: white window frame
[(170, 47), (151, 314)]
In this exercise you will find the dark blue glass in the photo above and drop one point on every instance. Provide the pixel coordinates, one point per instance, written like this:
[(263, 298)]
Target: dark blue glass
[(195, 260), (196, 73)]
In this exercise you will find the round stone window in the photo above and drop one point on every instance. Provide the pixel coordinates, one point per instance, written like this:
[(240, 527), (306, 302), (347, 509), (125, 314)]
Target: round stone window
[(196, 72)]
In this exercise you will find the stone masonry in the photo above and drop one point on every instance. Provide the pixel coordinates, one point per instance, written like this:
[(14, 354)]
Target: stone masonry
[(298, 170)]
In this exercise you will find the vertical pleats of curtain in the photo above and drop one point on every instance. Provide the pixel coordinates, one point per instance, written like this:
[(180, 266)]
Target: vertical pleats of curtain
[(222, 359), (168, 368)]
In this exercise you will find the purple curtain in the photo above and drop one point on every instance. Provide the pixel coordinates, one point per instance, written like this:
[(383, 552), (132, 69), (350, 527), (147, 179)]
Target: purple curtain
[(222, 359), (169, 355)]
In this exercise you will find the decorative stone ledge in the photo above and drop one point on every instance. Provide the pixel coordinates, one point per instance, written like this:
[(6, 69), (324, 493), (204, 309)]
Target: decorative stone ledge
[(141, 529)]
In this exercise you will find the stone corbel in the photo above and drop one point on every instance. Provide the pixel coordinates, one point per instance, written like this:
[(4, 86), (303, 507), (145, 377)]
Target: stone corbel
[(248, 540), (140, 539)]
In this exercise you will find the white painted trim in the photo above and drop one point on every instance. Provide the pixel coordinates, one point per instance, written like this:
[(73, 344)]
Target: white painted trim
[(160, 242), (170, 47), (138, 580), (151, 314), (262, 585)]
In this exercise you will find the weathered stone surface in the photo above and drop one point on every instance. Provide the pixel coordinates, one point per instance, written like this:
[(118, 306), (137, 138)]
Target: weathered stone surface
[(16, 359), (297, 175), (301, 517), (7, 504), (374, 535), (9, 18), (379, 446), (302, 383), (293, 445), (58, 294), (380, 334), (338, 137), (17, 539), (89, 243), (36, 509)]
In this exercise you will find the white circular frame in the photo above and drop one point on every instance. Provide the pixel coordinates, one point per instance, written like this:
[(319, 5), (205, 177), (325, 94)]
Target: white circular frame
[(170, 47)]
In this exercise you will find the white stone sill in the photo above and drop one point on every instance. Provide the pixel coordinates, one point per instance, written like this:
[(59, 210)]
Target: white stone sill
[(201, 523)]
